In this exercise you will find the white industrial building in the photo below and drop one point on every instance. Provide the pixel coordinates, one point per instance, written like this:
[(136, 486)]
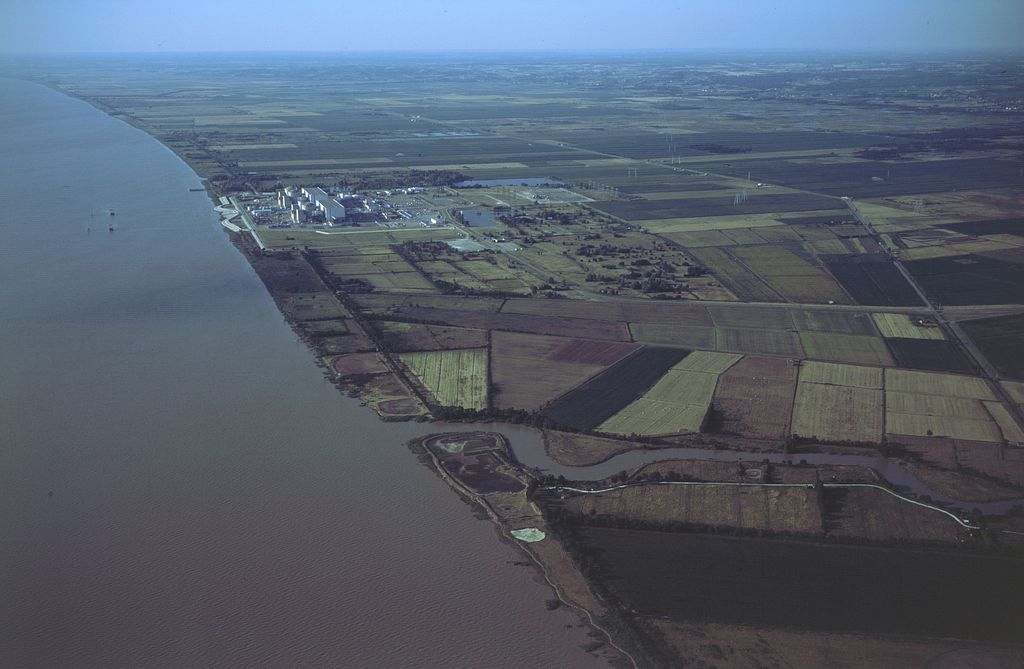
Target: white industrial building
[(334, 212), (309, 205)]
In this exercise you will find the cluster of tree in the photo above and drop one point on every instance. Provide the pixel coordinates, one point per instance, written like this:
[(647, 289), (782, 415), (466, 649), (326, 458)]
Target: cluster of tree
[(514, 416), (598, 250), (230, 183), (402, 179)]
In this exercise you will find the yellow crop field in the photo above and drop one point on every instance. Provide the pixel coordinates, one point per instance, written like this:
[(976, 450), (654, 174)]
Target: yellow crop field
[(684, 388), (934, 383), (455, 378), (840, 375), (1007, 425), (651, 417), (903, 325), (679, 400), (837, 413), (934, 405), (942, 426), (707, 361), (790, 275), (859, 349)]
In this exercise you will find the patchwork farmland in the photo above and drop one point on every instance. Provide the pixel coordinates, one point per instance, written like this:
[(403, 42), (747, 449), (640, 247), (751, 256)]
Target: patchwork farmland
[(678, 402), (647, 251), (591, 404)]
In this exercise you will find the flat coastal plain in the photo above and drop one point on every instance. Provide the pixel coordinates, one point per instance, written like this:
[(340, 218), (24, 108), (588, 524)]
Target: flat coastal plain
[(619, 252)]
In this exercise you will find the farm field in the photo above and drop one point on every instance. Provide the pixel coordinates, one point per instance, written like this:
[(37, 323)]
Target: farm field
[(872, 280), (1005, 226), (856, 349), (833, 321), (837, 413), (378, 267), (789, 510), (904, 326), (680, 313), (879, 586), (1000, 341), (468, 273), (858, 178), (383, 304), (737, 278), (407, 337), (945, 385), (304, 307), (528, 371), (300, 238), (941, 405), (1015, 390), (929, 354), (789, 275), (754, 397), (971, 279), (655, 245), (678, 402), (454, 378), (871, 514), (719, 205), (484, 320), (672, 335), (841, 375), (769, 318), (769, 342), (600, 398)]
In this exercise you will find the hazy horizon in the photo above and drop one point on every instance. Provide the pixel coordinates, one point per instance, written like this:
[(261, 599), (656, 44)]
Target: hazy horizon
[(461, 26)]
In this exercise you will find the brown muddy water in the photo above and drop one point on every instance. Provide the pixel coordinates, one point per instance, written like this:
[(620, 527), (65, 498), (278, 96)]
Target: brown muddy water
[(179, 485)]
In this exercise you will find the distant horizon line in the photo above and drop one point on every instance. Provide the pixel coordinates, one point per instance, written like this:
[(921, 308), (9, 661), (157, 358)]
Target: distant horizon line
[(819, 51)]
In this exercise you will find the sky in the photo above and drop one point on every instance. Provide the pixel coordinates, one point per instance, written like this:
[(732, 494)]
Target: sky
[(41, 26)]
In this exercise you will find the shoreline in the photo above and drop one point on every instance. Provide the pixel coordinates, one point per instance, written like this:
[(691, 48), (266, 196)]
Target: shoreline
[(429, 458), (353, 388)]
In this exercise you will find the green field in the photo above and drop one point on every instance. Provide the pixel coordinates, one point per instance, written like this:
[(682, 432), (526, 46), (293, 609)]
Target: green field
[(455, 378)]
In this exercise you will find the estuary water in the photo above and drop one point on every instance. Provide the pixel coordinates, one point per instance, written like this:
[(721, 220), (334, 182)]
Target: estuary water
[(179, 485)]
